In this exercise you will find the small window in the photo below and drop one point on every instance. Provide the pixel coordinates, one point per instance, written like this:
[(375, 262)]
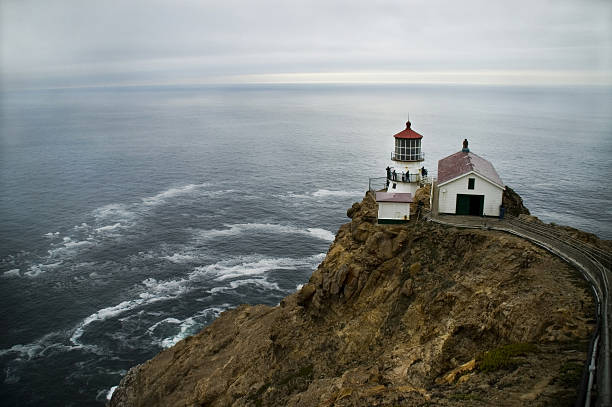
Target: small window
[(471, 183)]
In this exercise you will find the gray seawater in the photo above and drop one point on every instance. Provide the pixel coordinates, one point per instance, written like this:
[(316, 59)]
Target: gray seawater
[(131, 217)]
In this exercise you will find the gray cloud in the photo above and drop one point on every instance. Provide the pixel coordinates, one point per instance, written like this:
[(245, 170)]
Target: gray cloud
[(68, 42)]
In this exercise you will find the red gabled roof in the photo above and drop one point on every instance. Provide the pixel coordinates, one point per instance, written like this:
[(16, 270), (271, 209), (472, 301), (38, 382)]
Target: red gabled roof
[(461, 163), (407, 133), (402, 197)]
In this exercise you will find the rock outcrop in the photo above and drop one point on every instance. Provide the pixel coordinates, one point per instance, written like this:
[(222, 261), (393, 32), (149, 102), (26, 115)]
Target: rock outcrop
[(395, 315), (513, 203)]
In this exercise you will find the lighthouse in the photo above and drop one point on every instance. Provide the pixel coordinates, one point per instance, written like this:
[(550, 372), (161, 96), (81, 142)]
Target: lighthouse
[(404, 175)]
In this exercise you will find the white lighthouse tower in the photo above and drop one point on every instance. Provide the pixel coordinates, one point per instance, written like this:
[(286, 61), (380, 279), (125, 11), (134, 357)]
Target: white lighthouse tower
[(404, 176)]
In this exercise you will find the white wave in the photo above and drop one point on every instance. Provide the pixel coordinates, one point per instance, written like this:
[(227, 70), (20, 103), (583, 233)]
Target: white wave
[(170, 288), (180, 258), (170, 193), (220, 289), (109, 395), (262, 282), (70, 244), (293, 195), (299, 287), (324, 193), (253, 265), (37, 269), (108, 221), (227, 269), (154, 291), (46, 344), (239, 228), (321, 234), (103, 314), (163, 321), (108, 227), (182, 334), (191, 325), (69, 247), (317, 258), (11, 273), (29, 350), (82, 227), (115, 212)]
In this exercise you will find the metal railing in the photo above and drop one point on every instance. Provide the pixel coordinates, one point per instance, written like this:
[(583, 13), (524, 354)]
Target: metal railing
[(377, 183), (407, 157), (404, 177)]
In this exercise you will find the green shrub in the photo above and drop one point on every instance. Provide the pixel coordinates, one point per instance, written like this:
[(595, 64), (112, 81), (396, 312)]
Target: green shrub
[(503, 357), (464, 396)]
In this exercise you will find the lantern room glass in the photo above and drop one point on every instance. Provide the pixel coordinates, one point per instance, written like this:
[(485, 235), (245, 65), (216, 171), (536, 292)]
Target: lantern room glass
[(408, 149)]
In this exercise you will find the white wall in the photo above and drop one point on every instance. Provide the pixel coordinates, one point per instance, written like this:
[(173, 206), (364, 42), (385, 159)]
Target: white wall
[(393, 210), (403, 187), (410, 166), (447, 201)]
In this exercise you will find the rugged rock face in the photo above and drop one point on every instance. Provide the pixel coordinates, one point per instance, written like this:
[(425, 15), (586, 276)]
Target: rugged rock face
[(394, 315), (513, 203)]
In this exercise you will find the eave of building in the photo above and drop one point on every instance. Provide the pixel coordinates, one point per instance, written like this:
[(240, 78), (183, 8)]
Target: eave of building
[(474, 173)]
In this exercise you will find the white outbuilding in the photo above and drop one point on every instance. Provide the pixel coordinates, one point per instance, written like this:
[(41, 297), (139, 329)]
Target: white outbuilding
[(468, 185), (393, 207)]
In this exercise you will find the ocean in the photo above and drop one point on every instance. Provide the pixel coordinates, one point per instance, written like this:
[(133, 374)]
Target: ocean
[(132, 217)]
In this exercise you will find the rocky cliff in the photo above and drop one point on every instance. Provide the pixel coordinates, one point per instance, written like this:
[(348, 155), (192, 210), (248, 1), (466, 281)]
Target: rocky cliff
[(395, 315)]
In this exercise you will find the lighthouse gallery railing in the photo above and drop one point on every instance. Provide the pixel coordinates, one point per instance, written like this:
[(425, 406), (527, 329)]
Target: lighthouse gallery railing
[(407, 156)]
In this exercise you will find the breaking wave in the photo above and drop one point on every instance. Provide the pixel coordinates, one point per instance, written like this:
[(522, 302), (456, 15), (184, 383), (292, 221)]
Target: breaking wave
[(254, 265), (152, 290), (322, 194), (184, 327), (52, 342), (11, 273), (237, 229), (108, 223)]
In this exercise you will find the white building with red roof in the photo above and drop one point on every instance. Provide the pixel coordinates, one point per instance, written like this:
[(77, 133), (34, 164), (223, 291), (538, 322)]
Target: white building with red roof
[(468, 185)]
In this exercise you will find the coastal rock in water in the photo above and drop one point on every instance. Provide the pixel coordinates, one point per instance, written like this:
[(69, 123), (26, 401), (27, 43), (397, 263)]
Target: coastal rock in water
[(394, 315)]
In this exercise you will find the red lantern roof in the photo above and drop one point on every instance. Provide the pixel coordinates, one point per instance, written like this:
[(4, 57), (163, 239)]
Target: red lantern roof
[(408, 133)]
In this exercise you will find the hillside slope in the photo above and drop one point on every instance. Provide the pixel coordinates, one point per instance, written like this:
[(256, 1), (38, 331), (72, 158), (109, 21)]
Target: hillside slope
[(394, 315)]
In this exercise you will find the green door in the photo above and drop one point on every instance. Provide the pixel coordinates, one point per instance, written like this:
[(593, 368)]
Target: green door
[(469, 205), (463, 205)]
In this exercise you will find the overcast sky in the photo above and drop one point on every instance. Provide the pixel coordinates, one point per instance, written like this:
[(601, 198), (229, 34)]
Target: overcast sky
[(106, 42)]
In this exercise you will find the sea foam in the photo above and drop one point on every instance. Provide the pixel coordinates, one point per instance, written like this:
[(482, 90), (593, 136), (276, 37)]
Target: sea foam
[(11, 273), (240, 228)]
